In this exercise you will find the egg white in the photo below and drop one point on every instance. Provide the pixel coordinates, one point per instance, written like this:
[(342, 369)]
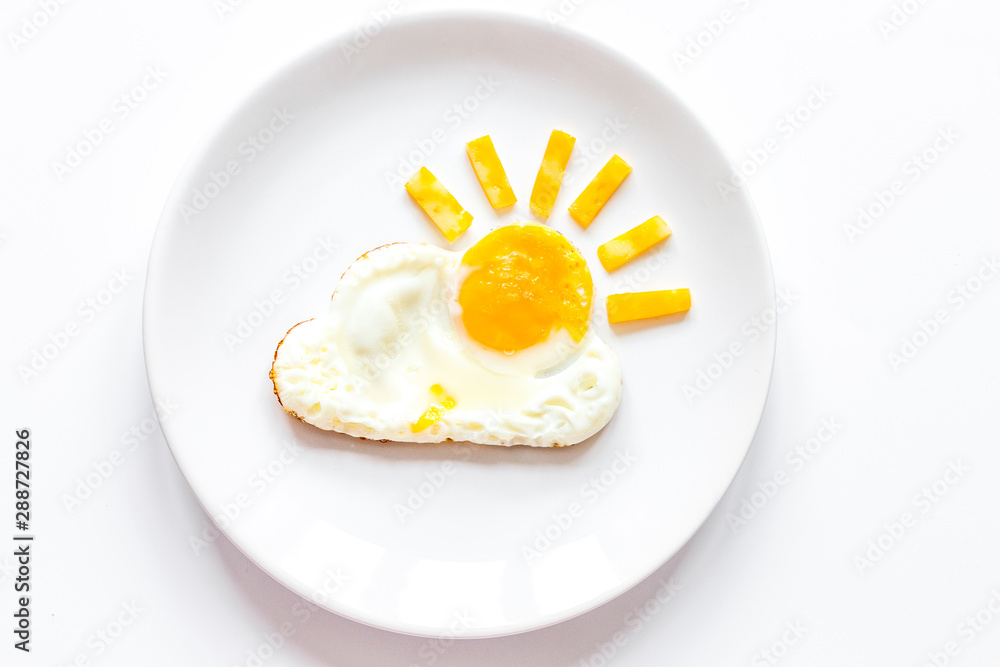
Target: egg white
[(394, 330)]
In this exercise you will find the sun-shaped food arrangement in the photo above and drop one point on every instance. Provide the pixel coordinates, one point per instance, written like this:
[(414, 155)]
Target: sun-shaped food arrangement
[(491, 346)]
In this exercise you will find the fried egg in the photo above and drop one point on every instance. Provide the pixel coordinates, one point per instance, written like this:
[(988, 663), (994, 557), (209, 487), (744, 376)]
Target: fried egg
[(422, 344)]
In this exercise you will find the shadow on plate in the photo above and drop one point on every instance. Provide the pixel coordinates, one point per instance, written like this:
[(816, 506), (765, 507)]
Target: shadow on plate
[(310, 436)]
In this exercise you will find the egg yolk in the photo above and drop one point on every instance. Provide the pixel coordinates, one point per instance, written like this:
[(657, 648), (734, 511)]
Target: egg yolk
[(527, 280)]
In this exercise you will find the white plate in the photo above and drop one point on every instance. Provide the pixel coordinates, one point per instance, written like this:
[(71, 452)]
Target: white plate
[(243, 256)]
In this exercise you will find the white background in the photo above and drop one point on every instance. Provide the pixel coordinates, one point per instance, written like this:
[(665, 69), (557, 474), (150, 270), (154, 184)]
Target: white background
[(847, 551)]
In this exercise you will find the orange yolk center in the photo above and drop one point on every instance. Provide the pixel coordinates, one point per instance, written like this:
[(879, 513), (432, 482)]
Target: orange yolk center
[(527, 280)]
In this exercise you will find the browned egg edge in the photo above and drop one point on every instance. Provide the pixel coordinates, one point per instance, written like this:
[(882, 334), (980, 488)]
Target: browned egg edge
[(274, 383)]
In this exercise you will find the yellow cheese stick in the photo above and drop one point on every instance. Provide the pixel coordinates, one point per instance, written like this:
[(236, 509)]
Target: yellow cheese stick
[(644, 305), (633, 243), (443, 209), (550, 173), (599, 191), (489, 171), (434, 413)]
